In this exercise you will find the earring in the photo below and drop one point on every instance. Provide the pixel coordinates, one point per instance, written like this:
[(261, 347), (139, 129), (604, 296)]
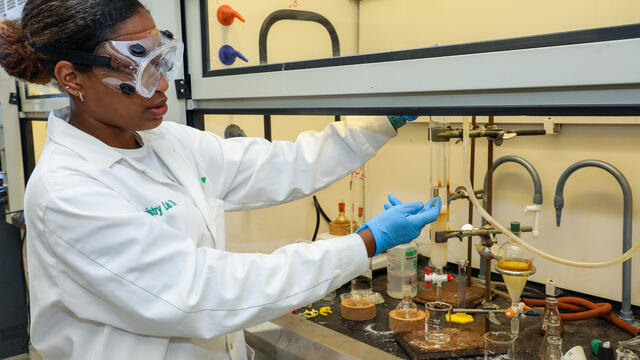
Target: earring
[(81, 96), (67, 87)]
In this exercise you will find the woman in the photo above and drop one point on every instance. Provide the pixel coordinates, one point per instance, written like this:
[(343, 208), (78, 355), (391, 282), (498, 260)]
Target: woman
[(125, 212)]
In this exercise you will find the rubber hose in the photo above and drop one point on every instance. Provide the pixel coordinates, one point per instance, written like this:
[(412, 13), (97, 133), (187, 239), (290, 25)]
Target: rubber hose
[(584, 309)]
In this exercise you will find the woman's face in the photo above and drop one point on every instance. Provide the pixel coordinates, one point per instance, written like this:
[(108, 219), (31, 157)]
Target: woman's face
[(113, 108)]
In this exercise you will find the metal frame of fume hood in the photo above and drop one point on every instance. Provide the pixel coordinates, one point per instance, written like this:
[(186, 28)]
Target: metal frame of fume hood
[(590, 72)]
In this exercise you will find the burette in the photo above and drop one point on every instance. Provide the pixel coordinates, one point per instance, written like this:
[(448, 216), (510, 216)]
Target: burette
[(620, 259)]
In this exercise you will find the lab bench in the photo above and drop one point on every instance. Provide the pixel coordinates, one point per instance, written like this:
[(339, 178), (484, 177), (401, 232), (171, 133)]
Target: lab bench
[(376, 332)]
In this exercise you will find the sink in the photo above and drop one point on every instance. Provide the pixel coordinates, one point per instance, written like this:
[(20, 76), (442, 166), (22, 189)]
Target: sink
[(292, 337)]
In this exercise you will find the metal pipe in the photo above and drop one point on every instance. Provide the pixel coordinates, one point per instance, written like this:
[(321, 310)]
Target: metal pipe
[(626, 313), (489, 208), (472, 176), (479, 311)]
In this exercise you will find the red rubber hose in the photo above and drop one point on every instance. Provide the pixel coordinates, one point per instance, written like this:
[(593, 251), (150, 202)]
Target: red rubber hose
[(582, 309)]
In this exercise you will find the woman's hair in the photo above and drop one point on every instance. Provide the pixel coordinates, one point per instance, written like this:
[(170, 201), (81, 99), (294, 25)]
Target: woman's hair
[(76, 25)]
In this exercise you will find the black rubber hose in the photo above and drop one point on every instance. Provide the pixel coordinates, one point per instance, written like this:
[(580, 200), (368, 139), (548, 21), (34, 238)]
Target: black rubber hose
[(324, 215), (315, 232), (319, 212)]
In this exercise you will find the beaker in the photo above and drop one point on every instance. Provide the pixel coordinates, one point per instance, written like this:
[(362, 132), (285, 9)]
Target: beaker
[(626, 354), (498, 345), (436, 327)]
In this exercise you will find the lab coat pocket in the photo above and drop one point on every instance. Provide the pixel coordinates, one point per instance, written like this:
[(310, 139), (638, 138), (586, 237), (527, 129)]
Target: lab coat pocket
[(216, 208)]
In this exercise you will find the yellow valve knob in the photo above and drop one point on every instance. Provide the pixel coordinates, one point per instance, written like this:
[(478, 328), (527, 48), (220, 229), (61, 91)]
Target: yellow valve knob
[(325, 311), (310, 314)]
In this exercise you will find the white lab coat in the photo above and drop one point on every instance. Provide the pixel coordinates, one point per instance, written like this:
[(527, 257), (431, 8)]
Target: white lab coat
[(112, 278)]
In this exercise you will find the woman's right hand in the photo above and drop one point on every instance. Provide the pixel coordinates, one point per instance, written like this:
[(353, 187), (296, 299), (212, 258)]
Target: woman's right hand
[(400, 223)]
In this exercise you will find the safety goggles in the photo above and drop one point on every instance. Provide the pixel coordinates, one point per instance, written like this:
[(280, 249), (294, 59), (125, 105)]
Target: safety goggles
[(135, 66)]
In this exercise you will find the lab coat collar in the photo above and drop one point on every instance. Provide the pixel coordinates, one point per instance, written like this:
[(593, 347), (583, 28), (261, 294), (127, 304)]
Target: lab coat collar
[(88, 147)]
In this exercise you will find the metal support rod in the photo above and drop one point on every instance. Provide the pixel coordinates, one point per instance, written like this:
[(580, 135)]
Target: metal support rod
[(487, 274), (444, 135), (479, 311), (444, 236), (472, 175)]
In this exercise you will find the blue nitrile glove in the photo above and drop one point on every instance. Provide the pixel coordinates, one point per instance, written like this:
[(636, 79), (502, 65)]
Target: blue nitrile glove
[(393, 202), (402, 223), (398, 121)]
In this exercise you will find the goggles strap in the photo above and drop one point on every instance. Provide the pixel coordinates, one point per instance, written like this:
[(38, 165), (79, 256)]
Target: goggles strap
[(75, 57)]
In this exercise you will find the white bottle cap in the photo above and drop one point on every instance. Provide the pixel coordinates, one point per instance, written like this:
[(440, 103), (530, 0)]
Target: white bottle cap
[(550, 288)]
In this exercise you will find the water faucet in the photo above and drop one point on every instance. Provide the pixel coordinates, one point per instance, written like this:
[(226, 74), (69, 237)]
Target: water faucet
[(537, 188), (626, 314)]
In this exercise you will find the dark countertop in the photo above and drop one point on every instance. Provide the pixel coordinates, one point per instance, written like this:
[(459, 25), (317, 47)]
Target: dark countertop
[(376, 332)]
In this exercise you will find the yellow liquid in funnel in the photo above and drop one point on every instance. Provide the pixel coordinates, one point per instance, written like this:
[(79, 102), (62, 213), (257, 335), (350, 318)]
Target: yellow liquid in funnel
[(515, 265), (515, 284)]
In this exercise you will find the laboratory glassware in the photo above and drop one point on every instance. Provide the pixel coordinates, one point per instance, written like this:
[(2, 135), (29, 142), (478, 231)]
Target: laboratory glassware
[(462, 283), (553, 348), (551, 321), (402, 271), (632, 344), (342, 225), (436, 326), (626, 354), (440, 186), (515, 265), (498, 345), (407, 309)]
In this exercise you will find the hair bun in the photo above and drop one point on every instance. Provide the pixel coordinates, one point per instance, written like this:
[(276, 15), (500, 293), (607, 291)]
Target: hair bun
[(17, 57)]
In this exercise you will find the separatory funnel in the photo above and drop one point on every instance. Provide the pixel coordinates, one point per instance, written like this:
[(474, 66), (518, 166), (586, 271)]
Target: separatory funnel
[(515, 265)]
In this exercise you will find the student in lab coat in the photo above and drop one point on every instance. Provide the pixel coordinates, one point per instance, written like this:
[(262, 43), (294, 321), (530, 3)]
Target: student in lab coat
[(125, 212)]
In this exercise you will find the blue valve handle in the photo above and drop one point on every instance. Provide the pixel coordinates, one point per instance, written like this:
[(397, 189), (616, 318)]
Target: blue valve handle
[(228, 55), (531, 313)]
